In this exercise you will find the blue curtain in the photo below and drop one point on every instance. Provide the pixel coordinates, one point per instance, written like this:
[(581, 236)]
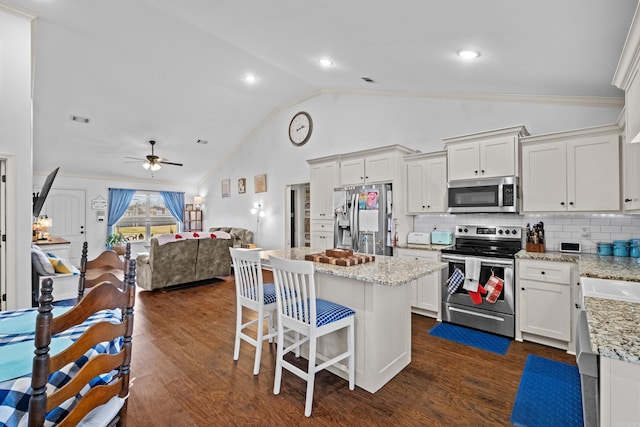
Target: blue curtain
[(175, 203), (119, 199)]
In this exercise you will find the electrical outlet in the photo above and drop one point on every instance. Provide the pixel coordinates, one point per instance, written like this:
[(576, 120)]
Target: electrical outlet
[(585, 232)]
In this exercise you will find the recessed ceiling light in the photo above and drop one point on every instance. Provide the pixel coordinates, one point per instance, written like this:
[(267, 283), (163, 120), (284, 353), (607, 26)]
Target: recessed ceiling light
[(250, 78), (325, 62), (468, 54)]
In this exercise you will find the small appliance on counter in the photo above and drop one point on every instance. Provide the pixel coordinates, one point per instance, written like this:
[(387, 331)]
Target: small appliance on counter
[(441, 237), (418, 240)]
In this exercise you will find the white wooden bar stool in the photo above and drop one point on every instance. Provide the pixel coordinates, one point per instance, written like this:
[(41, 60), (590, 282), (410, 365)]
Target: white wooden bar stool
[(255, 295), (311, 318)]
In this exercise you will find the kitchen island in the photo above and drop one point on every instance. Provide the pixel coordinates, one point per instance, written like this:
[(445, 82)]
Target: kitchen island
[(378, 292)]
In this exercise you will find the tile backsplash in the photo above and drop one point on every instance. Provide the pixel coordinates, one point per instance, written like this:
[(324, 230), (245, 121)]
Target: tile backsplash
[(587, 230)]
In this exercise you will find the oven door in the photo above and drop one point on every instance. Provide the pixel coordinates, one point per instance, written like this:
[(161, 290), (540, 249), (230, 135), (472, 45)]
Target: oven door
[(502, 268)]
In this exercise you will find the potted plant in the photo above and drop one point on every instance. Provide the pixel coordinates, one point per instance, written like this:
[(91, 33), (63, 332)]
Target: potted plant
[(116, 242)]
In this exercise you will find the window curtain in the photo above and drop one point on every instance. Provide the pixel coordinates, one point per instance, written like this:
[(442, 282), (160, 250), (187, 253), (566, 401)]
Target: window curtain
[(119, 199), (174, 201)]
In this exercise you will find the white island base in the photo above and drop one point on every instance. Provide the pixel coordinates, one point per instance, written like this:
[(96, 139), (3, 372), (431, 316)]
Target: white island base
[(382, 328)]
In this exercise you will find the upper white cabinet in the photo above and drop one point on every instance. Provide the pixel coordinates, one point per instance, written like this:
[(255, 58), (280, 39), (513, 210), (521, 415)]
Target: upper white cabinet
[(484, 155), (323, 179), (371, 166), (573, 171), (631, 167), (426, 182)]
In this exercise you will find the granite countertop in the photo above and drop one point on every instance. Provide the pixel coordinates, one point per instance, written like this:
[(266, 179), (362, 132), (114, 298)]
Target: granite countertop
[(385, 270), (614, 326)]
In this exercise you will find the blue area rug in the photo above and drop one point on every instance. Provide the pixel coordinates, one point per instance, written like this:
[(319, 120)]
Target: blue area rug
[(548, 395), (471, 337)]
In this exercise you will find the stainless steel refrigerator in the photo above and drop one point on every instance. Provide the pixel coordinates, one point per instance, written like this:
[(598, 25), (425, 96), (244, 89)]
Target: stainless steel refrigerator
[(364, 218)]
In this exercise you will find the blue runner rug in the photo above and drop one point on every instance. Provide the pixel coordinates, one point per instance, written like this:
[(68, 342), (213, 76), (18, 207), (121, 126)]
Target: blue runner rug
[(471, 337), (548, 395)]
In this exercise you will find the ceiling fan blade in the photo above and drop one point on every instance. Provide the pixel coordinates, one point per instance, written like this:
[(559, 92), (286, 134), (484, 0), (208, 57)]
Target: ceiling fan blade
[(134, 158), (169, 163)]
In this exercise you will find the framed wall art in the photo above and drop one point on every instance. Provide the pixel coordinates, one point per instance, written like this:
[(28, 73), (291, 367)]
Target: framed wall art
[(226, 188), (242, 185), (260, 183)]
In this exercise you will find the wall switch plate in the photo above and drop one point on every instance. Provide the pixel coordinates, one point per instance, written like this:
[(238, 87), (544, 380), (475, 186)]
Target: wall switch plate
[(573, 247)]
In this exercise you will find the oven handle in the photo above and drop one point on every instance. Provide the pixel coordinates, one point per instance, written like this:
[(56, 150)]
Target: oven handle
[(485, 261), (474, 313)]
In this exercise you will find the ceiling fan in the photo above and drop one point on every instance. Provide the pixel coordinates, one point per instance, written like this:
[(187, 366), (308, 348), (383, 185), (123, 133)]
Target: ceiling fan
[(154, 162)]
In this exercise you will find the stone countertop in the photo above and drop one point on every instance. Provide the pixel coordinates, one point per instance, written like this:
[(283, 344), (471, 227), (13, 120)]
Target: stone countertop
[(614, 326), (385, 270)]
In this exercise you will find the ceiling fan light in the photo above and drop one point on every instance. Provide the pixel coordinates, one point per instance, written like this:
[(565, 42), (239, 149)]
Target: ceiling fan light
[(155, 167), (146, 165)]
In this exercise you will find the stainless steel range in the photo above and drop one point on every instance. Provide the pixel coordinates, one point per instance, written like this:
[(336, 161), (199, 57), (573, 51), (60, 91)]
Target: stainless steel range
[(478, 291)]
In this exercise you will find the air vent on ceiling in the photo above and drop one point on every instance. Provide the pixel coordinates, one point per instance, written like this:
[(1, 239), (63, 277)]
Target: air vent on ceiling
[(202, 141), (80, 119), (367, 79)]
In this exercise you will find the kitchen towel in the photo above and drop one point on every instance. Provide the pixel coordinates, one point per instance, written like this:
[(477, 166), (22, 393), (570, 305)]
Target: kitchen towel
[(472, 274), (453, 283)]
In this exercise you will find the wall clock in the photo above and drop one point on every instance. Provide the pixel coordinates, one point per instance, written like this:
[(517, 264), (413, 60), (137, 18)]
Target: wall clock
[(300, 128)]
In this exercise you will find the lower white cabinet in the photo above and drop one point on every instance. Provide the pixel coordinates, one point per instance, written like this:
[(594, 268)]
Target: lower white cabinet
[(545, 299), (619, 392), (425, 291), (321, 234)]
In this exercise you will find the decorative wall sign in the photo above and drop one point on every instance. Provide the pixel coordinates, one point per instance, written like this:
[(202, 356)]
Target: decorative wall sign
[(260, 183), (242, 185), (99, 203), (226, 188)]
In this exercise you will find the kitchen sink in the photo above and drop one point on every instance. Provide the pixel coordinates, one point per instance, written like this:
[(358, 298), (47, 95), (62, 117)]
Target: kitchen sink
[(609, 289)]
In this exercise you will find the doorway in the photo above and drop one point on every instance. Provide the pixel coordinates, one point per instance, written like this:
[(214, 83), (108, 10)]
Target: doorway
[(66, 208), (297, 223)]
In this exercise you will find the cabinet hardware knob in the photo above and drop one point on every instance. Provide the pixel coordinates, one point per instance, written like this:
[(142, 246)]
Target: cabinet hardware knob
[(522, 289), (627, 200), (428, 206), (482, 171), (361, 177), (476, 172), (571, 203), (542, 272), (562, 203), (577, 305)]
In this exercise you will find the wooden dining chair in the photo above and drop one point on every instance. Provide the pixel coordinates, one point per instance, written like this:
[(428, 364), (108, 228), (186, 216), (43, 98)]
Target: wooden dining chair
[(253, 294), (101, 405), (107, 267), (300, 311)]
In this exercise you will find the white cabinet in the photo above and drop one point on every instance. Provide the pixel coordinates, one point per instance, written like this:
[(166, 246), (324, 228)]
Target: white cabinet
[(619, 392), (368, 169), (425, 291), (544, 290), (321, 234), (631, 168), (573, 171), (484, 155), (426, 183), (323, 180)]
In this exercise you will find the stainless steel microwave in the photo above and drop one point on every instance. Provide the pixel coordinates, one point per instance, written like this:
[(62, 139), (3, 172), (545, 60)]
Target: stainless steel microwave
[(484, 195)]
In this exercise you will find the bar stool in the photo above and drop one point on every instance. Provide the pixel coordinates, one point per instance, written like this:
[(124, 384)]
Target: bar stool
[(310, 318), (255, 295)]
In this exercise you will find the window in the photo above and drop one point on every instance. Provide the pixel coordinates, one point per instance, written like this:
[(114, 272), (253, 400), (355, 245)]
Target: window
[(146, 217)]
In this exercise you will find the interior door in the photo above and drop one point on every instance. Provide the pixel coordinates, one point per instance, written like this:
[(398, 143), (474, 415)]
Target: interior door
[(3, 246), (66, 208)]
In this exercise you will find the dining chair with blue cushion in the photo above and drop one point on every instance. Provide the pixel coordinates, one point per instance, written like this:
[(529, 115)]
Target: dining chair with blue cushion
[(100, 388), (300, 311), (253, 294)]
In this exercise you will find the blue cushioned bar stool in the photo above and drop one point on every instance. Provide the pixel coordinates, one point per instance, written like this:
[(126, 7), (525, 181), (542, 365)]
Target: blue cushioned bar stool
[(310, 318), (255, 295)]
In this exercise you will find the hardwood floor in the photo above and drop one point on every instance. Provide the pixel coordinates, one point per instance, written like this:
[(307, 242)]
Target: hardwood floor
[(183, 374)]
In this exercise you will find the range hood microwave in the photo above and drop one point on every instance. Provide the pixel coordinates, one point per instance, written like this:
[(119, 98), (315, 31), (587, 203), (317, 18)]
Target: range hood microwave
[(488, 195)]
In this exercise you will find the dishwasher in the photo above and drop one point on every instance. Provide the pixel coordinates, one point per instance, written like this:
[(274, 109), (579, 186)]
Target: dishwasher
[(587, 361)]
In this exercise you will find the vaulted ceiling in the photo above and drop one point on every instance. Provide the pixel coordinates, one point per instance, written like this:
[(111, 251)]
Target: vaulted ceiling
[(172, 71)]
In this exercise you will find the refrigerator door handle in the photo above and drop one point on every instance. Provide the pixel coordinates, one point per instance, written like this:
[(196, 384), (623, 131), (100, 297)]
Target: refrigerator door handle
[(353, 222)]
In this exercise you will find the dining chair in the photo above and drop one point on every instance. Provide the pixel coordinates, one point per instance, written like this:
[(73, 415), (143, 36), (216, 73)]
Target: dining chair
[(253, 294), (300, 310), (108, 263), (105, 375)]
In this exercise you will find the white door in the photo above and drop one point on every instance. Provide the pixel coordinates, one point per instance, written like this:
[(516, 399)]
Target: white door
[(3, 247), (66, 208)]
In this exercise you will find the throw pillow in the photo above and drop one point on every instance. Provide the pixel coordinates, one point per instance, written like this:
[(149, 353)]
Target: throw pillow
[(41, 263), (61, 266)]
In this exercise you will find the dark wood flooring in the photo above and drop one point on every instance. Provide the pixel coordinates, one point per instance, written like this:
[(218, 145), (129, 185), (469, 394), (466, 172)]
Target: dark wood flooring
[(184, 374)]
